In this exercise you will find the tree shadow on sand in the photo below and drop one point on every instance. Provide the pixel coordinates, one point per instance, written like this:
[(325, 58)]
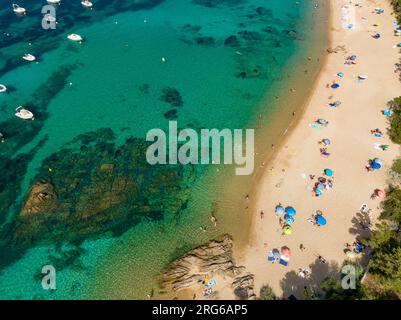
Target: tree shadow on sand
[(293, 284), (361, 225)]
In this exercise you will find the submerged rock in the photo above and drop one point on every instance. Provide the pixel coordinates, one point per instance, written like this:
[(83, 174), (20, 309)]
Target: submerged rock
[(172, 96), (232, 41), (205, 41), (171, 114), (93, 186)]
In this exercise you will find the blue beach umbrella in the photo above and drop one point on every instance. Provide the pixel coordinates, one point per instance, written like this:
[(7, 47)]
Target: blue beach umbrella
[(279, 209), (375, 166), (387, 112), (320, 220), (335, 86), (289, 220), (290, 211), (328, 172)]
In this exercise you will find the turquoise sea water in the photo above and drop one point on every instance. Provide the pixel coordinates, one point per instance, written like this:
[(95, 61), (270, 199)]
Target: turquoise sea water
[(226, 59)]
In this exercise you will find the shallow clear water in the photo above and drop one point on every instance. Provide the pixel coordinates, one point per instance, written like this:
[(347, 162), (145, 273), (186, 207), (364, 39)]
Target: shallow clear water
[(115, 79)]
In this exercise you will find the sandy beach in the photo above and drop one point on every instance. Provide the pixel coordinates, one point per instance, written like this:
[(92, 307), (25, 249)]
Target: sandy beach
[(287, 180)]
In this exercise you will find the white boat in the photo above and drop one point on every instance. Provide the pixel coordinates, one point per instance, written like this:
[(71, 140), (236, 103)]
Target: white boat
[(28, 57), (22, 113), (48, 17), (53, 1), (3, 88), (18, 10), (87, 4), (74, 37)]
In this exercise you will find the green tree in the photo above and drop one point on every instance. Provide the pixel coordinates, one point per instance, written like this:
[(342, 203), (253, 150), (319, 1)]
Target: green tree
[(266, 293)]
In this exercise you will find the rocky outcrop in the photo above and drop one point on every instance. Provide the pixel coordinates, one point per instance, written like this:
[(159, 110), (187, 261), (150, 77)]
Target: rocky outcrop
[(41, 197), (94, 186), (213, 258), (243, 286)]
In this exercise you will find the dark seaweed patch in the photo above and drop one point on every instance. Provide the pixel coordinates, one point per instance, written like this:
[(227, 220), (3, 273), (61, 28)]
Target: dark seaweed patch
[(93, 187), (172, 96), (232, 41), (171, 114)]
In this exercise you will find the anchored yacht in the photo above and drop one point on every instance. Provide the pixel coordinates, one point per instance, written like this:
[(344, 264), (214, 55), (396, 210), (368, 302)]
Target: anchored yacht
[(28, 57), (50, 18), (55, 2), (22, 113), (87, 4), (74, 37), (18, 10), (3, 88)]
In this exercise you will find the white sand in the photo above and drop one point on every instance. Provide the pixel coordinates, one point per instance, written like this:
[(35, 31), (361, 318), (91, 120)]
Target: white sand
[(352, 146)]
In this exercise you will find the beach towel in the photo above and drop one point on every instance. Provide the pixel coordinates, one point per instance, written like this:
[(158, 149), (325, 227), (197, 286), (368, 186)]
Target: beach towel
[(211, 282), (270, 257), (283, 262)]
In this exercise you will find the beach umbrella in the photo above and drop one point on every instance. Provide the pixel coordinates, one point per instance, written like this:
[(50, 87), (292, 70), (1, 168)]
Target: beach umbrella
[(289, 220), (286, 252), (335, 86), (358, 247), (362, 77), (321, 186), (290, 211), (375, 166), (287, 229), (340, 74), (350, 254), (387, 112), (320, 220), (279, 209), (328, 172), (353, 57), (381, 193)]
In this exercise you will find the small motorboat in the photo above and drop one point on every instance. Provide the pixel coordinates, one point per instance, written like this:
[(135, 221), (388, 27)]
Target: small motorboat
[(18, 10), (87, 4), (3, 88), (74, 37), (54, 2), (28, 57), (22, 113), (50, 18)]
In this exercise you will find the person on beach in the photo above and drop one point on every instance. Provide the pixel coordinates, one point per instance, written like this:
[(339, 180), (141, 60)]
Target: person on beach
[(262, 214), (321, 259), (213, 219)]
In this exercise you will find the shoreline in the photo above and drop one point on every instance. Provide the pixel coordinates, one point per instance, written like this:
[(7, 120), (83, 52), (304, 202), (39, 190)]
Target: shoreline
[(261, 243), (286, 134)]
